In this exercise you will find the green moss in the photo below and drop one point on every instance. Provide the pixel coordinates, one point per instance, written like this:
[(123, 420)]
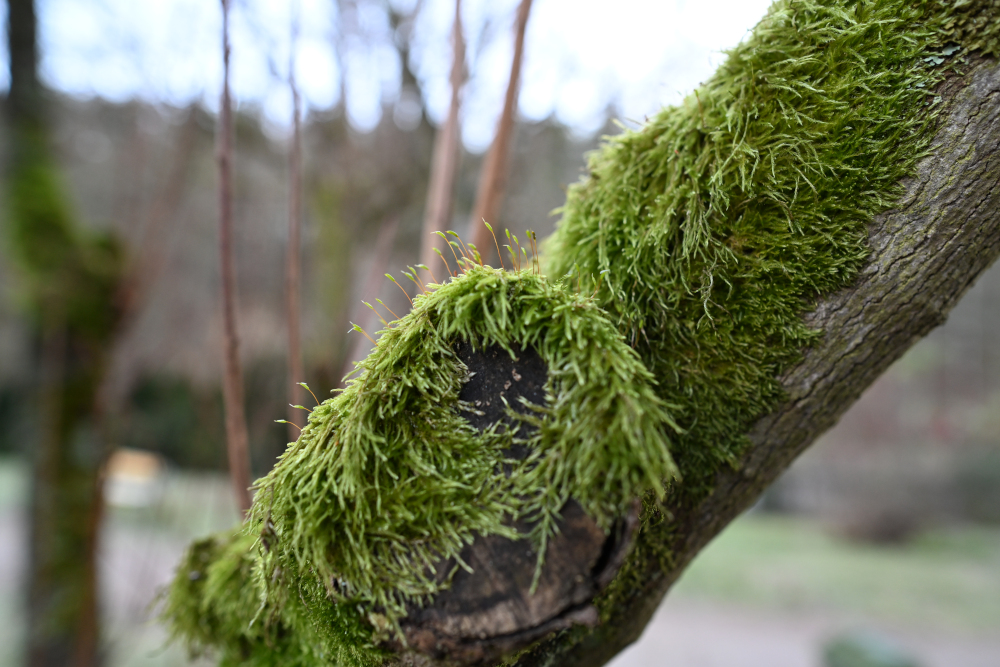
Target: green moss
[(719, 223), (704, 237), (67, 280), (216, 606), (68, 274), (388, 478)]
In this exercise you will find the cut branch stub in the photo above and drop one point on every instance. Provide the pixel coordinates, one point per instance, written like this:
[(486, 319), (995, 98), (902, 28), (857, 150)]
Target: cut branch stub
[(491, 608)]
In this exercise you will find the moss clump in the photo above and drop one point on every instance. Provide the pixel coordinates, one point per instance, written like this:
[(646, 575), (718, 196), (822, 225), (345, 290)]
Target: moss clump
[(722, 220), (216, 605), (705, 236), (388, 478), (716, 223)]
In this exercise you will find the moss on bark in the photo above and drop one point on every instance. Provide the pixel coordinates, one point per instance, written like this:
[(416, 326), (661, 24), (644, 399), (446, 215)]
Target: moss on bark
[(705, 237)]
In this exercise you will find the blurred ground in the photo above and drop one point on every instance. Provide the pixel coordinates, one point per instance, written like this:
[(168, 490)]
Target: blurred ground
[(769, 591)]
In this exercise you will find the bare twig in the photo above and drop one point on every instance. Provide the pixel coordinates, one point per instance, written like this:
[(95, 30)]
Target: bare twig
[(237, 440), (493, 179), (444, 164), (292, 265), (376, 273)]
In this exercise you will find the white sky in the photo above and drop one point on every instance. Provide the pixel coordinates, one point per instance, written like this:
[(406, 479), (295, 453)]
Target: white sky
[(582, 57)]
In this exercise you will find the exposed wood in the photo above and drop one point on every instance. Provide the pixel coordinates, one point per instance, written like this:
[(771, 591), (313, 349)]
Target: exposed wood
[(237, 440), (493, 178), (497, 607), (293, 270), (444, 161)]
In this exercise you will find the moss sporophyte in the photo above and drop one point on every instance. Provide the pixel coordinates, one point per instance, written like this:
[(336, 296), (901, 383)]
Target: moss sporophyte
[(679, 275)]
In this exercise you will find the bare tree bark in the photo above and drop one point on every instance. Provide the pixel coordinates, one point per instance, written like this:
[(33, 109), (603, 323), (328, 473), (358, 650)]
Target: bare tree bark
[(493, 178), (293, 271), (444, 163), (237, 440)]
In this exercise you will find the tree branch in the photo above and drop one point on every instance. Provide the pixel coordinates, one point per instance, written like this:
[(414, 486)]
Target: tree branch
[(444, 162), (493, 179), (237, 440), (293, 271), (926, 253)]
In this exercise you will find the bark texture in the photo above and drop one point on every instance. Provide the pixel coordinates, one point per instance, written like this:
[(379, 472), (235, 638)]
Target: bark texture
[(497, 605), (925, 254)]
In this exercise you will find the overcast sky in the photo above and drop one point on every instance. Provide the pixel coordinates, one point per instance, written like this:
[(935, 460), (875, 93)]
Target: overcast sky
[(582, 57)]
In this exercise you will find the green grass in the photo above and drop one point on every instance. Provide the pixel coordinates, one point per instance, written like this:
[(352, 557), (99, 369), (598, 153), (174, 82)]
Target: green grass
[(946, 579)]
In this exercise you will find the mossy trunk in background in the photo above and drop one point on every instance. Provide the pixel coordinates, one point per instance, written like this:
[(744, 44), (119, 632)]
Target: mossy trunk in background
[(68, 280)]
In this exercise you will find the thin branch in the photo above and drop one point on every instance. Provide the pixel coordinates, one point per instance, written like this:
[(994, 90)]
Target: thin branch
[(493, 179), (293, 270), (237, 439), (444, 164)]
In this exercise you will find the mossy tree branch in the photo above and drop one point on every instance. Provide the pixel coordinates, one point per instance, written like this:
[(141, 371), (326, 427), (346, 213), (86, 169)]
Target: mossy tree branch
[(925, 254), (765, 248)]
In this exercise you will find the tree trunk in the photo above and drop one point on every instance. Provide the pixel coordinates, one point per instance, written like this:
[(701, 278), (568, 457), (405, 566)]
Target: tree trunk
[(926, 253), (70, 280)]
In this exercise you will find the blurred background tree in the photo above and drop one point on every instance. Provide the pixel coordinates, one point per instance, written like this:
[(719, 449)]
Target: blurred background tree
[(70, 278)]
